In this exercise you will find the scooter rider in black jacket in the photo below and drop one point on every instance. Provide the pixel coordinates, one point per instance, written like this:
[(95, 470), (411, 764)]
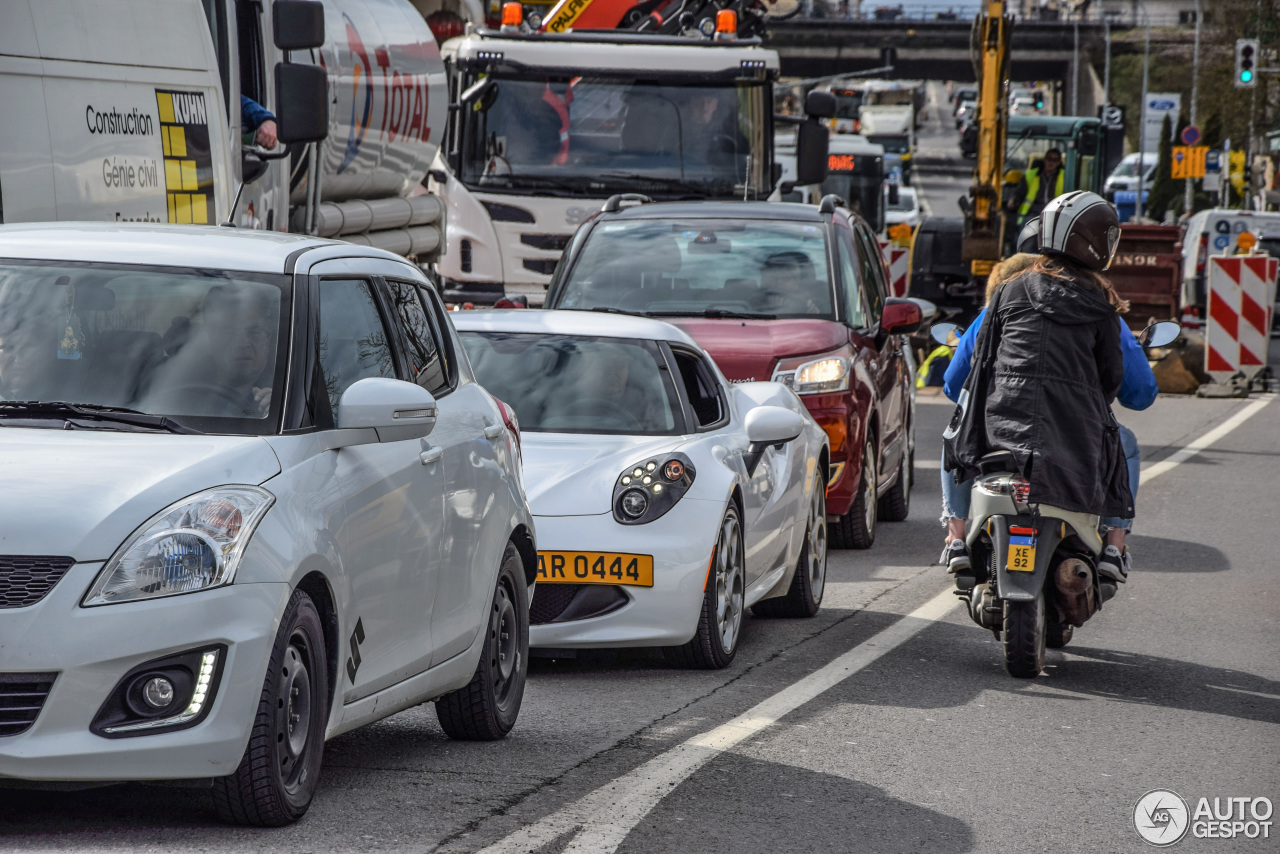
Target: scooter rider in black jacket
[(1058, 364)]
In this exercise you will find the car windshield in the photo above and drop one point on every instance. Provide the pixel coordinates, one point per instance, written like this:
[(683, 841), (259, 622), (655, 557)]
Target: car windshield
[(576, 384), (704, 266), (1128, 167), (906, 201), (595, 136), (199, 346)]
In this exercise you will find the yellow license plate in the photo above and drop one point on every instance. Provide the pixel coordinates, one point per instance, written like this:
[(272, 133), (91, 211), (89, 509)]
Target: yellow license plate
[(1022, 554), (595, 568)]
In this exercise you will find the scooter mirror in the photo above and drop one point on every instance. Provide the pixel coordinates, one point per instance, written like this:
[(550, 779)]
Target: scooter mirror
[(941, 332), (1160, 334)]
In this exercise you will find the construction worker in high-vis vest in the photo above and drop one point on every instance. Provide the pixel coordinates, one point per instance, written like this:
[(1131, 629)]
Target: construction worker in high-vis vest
[(1040, 185)]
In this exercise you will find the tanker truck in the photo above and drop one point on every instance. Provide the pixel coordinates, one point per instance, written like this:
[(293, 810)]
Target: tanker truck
[(131, 111)]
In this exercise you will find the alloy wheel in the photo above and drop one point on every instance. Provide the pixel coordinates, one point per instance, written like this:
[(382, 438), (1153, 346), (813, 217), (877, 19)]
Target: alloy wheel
[(729, 584), (869, 485), (817, 550)]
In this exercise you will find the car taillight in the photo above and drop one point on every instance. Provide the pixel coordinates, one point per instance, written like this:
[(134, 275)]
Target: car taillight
[(513, 424), (1202, 258)]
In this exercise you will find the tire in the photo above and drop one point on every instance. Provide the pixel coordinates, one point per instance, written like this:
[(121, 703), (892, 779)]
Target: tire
[(895, 505), (1024, 637), (486, 708), (804, 596), (857, 528), (281, 766), (715, 642), (1058, 635)]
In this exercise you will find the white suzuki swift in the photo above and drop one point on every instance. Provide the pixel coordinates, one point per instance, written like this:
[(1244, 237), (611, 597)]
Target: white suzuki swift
[(253, 498)]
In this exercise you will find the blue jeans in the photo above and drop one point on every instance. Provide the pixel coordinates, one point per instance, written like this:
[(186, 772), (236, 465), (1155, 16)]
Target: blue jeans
[(955, 496)]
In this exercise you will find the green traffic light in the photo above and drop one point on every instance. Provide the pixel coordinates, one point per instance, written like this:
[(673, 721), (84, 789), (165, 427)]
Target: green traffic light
[(1246, 76)]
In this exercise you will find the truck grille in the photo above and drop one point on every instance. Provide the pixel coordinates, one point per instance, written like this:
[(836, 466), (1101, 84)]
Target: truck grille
[(538, 265), (25, 579), (22, 696), (549, 242)]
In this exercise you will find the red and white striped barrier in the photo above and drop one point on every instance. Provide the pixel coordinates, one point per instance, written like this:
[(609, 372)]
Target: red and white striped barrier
[(1242, 291), (898, 260)]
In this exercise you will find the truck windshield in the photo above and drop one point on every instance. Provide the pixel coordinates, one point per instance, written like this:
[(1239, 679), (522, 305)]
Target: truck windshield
[(200, 347), (718, 268), (595, 136), (858, 179)]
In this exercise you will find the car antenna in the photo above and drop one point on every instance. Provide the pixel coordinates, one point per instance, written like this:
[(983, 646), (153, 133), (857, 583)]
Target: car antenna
[(235, 203)]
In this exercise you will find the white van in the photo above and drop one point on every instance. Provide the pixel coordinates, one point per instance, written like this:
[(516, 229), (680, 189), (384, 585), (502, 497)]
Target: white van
[(1216, 232), (131, 111)]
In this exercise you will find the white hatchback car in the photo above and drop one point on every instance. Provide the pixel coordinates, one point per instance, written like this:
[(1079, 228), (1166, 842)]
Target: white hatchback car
[(667, 499), (253, 499)]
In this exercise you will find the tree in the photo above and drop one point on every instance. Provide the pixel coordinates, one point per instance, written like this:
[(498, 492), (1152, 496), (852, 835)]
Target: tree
[(1165, 192)]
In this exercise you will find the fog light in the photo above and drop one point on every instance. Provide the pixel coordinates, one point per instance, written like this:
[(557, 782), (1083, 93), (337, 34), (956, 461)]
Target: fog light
[(634, 503), (158, 693)]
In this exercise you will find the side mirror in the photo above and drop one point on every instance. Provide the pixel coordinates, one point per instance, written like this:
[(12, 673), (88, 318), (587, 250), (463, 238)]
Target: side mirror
[(812, 140), (252, 167), (485, 91), (394, 409), (819, 105), (901, 316), (942, 332), (302, 102), (928, 309), (894, 195), (297, 24), (772, 425), (1160, 334)]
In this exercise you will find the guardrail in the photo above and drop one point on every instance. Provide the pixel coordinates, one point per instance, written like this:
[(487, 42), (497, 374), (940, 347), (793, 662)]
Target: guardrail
[(840, 10)]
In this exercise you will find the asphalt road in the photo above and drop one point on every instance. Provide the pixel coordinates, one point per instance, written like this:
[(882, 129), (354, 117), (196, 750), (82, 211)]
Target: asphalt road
[(884, 724)]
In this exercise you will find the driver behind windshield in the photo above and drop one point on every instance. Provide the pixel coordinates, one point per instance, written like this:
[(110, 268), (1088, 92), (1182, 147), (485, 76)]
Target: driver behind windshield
[(224, 369), (788, 285), (711, 128)]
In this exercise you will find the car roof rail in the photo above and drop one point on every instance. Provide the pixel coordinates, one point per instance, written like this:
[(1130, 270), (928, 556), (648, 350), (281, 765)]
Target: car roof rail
[(614, 203), (830, 202)]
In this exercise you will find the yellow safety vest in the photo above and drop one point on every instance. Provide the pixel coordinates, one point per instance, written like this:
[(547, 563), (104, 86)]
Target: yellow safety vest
[(923, 371), (1033, 188)]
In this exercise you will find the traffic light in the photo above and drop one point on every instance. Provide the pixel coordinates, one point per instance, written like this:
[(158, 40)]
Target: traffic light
[(1246, 62), (1039, 100)]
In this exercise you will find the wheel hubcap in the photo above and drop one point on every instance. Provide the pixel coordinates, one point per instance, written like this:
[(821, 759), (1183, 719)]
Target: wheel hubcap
[(504, 641), (293, 712), (729, 584), (818, 543), (869, 486)]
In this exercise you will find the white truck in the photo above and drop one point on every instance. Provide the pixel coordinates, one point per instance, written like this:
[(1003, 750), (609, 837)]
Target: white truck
[(131, 111), (546, 127), (892, 126)]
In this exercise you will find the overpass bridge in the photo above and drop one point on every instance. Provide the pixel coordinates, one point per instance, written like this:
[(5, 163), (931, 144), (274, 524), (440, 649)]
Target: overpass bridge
[(932, 50)]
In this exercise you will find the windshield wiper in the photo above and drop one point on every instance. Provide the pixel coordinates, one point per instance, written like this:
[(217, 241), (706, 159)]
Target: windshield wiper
[(717, 313), (677, 184), (611, 310), (91, 411)]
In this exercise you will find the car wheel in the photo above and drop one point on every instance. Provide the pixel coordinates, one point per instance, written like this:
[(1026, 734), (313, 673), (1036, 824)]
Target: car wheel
[(715, 642), (281, 766), (804, 596), (485, 709), (857, 528), (896, 503)]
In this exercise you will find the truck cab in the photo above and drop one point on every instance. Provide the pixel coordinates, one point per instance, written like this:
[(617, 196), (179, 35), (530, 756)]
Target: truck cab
[(547, 126)]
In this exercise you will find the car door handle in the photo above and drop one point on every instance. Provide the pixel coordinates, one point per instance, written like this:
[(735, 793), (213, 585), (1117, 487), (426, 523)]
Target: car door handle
[(493, 431), (431, 455)]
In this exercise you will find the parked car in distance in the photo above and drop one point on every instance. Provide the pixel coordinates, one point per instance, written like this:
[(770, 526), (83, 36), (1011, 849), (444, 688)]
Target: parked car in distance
[(793, 293), (905, 210), (667, 500), (1124, 178), (253, 499)]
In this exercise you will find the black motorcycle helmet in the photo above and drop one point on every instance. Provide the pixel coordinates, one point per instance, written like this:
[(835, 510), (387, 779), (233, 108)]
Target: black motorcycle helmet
[(1082, 226), (1029, 237)]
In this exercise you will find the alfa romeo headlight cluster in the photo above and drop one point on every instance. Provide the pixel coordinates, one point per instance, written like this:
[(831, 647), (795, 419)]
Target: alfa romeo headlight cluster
[(193, 545), (649, 489)]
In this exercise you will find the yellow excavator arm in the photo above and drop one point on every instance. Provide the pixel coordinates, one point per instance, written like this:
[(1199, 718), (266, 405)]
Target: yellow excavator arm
[(984, 220)]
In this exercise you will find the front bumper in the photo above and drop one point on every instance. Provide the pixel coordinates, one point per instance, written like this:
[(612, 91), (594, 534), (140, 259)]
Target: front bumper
[(91, 649), (663, 615), (837, 414)]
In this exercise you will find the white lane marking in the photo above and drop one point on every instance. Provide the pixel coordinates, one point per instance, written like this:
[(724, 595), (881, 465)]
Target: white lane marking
[(936, 465), (1188, 451), (1242, 691), (603, 818)]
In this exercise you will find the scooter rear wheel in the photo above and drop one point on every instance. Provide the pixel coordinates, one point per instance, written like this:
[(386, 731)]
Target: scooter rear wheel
[(1024, 637)]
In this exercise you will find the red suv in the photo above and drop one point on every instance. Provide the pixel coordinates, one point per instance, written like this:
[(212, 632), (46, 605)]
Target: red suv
[(788, 292)]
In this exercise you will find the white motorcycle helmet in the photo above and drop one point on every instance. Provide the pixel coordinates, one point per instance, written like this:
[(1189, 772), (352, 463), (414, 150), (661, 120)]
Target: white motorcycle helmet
[(1082, 226)]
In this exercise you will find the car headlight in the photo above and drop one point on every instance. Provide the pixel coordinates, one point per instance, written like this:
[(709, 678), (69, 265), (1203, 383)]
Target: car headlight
[(646, 491), (193, 545), (820, 376)]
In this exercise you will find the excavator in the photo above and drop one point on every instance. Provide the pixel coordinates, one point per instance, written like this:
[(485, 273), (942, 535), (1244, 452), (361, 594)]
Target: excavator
[(666, 17)]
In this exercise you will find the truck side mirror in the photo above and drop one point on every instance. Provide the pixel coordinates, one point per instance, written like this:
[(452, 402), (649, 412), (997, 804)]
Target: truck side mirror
[(812, 139), (894, 195), (302, 102), (297, 24), (819, 105)]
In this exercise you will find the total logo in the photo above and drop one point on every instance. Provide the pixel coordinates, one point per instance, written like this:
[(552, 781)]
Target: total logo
[(1162, 818)]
